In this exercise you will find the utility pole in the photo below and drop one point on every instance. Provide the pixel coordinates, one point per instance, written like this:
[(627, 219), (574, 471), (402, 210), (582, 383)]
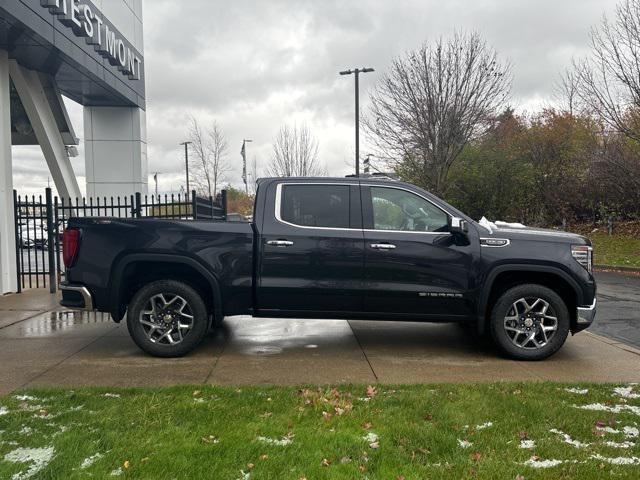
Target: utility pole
[(186, 161), (243, 152), (357, 72)]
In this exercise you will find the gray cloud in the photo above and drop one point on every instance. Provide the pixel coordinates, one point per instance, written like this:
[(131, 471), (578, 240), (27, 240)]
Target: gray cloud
[(254, 65)]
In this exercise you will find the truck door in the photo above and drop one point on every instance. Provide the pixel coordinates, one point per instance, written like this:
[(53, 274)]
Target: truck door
[(311, 248), (413, 265)]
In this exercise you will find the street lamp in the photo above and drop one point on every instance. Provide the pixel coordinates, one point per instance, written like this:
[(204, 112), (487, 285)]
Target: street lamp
[(357, 72), (186, 161), (243, 152)]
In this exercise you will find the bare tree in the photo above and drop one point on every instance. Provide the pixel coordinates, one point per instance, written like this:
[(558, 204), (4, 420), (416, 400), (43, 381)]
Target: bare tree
[(610, 77), (433, 101), (209, 149), (566, 92), (295, 154)]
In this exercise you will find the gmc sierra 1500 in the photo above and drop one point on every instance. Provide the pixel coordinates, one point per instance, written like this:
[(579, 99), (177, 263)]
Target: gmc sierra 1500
[(347, 248)]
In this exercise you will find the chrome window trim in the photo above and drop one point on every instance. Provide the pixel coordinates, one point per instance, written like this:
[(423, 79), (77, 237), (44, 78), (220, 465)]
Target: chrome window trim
[(278, 207)]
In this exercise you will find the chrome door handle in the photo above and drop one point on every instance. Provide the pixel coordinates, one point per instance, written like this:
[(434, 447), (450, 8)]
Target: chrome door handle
[(383, 246), (280, 243)]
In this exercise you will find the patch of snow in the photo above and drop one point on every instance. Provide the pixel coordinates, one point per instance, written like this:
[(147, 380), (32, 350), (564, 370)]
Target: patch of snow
[(567, 439), (577, 391), (274, 441), (618, 460), (371, 437), (244, 475), (76, 408), (39, 458), (626, 392), (111, 395), (464, 443), (484, 425), (528, 444), (534, 462), (3, 411), (116, 472), (631, 432), (365, 399), (607, 430), (198, 400), (87, 462), (25, 430), (25, 398), (610, 408), (619, 444)]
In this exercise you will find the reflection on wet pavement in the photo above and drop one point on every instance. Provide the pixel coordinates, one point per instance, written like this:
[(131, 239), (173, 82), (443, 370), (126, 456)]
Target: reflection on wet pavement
[(57, 322)]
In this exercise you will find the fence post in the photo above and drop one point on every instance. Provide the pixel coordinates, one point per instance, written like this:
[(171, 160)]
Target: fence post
[(610, 226), (16, 209), (51, 243), (223, 200), (138, 207), (194, 205)]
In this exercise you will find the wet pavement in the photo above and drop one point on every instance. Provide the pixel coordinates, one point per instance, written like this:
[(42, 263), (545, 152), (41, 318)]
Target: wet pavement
[(41, 344)]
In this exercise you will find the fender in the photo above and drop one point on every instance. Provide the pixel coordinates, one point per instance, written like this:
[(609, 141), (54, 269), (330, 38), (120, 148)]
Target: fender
[(488, 284), (118, 271)]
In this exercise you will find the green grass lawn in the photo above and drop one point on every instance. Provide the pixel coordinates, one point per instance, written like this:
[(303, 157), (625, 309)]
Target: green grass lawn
[(355, 432), (616, 250)]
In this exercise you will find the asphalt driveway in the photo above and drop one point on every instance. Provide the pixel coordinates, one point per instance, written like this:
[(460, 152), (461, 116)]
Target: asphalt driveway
[(41, 344)]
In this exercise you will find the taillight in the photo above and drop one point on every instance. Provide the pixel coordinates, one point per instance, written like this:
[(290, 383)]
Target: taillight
[(70, 245)]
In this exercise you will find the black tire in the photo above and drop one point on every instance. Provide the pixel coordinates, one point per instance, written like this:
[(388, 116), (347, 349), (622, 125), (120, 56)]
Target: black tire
[(170, 289), (504, 307)]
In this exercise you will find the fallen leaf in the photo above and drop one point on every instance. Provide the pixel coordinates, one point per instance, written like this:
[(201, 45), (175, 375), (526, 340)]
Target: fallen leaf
[(339, 411), (326, 415), (325, 462), (126, 464), (345, 460), (367, 425), (250, 466), (428, 417), (519, 477), (144, 460), (362, 468), (476, 456), (517, 392), (374, 445), (523, 436), (371, 391), (197, 393), (400, 477), (264, 457)]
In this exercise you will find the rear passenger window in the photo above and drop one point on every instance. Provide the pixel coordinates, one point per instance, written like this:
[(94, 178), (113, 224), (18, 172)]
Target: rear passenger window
[(315, 205)]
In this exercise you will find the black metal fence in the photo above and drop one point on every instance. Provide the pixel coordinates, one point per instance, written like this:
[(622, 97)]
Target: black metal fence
[(39, 224)]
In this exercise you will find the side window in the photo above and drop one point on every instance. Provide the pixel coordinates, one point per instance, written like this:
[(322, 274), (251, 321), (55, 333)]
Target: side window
[(395, 209), (315, 205)]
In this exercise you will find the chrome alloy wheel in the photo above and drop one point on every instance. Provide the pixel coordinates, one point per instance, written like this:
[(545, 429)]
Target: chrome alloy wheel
[(530, 323), (166, 319)]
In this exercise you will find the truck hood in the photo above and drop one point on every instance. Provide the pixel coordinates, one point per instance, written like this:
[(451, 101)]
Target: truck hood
[(517, 231)]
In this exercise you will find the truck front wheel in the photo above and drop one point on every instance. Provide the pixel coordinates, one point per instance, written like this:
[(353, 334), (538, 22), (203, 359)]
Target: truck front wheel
[(529, 322), (167, 318)]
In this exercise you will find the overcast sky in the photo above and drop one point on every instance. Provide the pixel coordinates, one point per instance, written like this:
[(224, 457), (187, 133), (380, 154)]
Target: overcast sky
[(255, 65)]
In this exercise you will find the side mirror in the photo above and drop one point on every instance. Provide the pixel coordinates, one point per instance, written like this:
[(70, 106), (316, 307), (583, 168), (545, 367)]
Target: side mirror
[(458, 225)]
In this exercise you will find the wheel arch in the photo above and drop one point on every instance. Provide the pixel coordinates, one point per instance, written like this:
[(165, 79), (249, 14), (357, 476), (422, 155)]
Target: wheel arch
[(134, 270), (504, 277)]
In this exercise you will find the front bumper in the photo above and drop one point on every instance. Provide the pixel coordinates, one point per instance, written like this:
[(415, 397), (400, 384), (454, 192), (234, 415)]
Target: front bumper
[(76, 297), (586, 315)]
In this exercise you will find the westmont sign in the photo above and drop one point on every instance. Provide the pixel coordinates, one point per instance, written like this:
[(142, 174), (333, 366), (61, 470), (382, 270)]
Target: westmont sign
[(87, 21)]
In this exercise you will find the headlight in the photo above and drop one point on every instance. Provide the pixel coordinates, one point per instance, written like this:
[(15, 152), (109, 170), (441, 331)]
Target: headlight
[(583, 255)]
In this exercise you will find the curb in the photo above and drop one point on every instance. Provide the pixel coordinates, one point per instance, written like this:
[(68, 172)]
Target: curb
[(617, 267)]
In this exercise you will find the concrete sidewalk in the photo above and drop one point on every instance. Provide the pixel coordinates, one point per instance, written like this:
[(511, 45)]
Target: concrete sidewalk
[(41, 344)]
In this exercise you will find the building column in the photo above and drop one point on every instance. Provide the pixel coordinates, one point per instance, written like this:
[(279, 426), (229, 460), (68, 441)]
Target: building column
[(115, 151), (8, 268)]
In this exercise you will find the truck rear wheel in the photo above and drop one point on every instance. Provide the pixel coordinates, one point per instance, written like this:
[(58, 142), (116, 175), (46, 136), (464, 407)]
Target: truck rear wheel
[(529, 322), (167, 318)]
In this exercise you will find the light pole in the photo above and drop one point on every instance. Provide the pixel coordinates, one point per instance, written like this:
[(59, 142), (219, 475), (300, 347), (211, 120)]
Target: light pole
[(186, 161), (357, 72), (243, 152)]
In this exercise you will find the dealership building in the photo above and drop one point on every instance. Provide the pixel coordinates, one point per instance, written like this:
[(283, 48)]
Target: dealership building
[(91, 52)]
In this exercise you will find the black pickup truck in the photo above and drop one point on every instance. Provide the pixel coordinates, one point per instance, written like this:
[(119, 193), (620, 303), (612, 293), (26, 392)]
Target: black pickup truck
[(348, 248)]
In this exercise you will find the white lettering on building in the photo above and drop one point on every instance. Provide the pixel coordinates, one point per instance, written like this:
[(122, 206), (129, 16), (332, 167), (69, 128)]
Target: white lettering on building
[(87, 22)]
